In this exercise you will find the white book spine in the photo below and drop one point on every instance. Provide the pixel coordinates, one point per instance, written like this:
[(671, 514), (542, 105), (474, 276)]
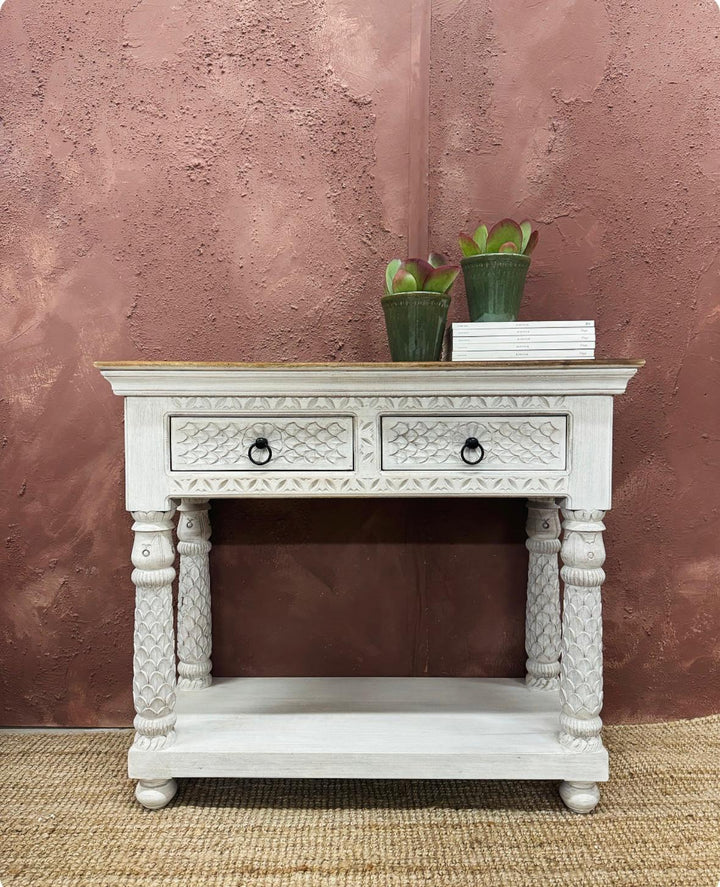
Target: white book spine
[(514, 346), (520, 358), (481, 329), (527, 324), (501, 353), (498, 339)]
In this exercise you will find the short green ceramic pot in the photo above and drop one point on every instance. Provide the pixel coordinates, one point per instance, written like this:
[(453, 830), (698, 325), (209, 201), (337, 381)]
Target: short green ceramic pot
[(494, 284), (415, 324)]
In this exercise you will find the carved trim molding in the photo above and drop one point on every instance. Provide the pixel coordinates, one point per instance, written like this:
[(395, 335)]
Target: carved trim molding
[(476, 484), (323, 403)]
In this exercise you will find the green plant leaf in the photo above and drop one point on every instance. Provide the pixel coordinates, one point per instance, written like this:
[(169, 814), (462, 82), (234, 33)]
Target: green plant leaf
[(505, 231), (392, 269), (532, 243), (441, 278), (420, 269), (404, 282), (437, 259), (480, 237), (526, 228), (468, 246), (508, 247)]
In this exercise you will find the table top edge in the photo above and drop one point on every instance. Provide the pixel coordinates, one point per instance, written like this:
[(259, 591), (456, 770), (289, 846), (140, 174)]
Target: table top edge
[(444, 366)]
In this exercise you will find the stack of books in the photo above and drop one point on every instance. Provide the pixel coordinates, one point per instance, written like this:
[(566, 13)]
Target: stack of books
[(524, 340)]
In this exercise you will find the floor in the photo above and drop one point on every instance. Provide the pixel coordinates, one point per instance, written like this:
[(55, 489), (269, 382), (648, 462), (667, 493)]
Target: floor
[(68, 817)]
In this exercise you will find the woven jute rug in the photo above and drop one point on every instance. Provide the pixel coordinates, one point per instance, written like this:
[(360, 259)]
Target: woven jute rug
[(68, 817)]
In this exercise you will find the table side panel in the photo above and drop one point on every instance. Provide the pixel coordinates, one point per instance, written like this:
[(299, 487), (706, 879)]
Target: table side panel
[(146, 454), (590, 457)]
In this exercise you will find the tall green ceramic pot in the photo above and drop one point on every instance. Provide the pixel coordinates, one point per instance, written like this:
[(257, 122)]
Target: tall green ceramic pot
[(494, 284), (415, 324)]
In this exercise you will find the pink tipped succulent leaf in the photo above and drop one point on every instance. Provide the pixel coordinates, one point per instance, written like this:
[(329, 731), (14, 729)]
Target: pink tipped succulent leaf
[(480, 237), (508, 247), (437, 259), (468, 246), (404, 282), (505, 231), (420, 269), (392, 269), (532, 243), (442, 278), (526, 228)]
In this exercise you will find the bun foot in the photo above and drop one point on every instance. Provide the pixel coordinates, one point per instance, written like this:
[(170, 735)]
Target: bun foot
[(580, 797), (155, 793)]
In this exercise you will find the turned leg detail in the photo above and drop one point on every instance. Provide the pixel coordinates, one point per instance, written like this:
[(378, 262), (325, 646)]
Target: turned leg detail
[(542, 616), (194, 625), (154, 660), (581, 693)]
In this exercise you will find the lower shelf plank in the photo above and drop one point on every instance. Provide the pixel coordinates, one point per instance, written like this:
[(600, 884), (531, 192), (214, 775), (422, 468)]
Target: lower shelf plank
[(374, 728)]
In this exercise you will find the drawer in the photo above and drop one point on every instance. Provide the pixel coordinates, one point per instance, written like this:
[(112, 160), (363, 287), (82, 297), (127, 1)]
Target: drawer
[(296, 443), (510, 443)]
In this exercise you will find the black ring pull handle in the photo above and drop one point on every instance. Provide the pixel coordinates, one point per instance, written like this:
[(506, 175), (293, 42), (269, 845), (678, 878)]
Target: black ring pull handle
[(263, 446), (473, 445)]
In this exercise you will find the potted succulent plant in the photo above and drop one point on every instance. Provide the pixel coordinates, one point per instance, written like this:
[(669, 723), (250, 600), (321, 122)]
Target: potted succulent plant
[(495, 264), (415, 305)]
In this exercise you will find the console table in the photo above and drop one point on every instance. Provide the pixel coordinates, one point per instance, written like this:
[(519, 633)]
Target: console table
[(538, 430)]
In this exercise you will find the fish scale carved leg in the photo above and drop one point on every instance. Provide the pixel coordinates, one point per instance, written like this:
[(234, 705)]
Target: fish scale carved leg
[(581, 690), (194, 624), (154, 660), (542, 617)]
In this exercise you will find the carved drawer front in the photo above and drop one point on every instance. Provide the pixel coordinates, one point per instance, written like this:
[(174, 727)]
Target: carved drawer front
[(283, 443), (489, 443)]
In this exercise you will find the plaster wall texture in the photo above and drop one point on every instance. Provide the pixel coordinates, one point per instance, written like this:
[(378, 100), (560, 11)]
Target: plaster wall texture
[(226, 181)]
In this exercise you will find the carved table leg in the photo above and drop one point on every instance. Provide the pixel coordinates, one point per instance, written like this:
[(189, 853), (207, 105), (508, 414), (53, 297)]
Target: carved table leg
[(154, 662), (542, 617), (194, 613), (581, 695)]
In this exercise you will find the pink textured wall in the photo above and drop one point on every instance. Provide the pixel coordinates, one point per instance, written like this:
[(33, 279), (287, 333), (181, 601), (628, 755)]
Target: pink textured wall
[(226, 181)]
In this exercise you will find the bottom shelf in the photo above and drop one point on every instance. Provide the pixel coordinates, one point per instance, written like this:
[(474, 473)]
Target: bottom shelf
[(394, 728)]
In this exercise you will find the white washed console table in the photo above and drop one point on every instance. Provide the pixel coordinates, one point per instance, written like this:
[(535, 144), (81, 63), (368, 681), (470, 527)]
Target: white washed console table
[(196, 431)]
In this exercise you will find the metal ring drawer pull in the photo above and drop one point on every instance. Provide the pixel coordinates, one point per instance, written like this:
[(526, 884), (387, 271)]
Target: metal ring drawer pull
[(261, 444), (472, 444)]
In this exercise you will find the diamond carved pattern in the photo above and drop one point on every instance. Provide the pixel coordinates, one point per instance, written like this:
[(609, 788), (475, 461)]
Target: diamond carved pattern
[(523, 442), (297, 444)]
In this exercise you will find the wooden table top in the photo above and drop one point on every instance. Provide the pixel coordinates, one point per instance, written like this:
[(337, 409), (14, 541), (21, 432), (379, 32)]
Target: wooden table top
[(446, 366)]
